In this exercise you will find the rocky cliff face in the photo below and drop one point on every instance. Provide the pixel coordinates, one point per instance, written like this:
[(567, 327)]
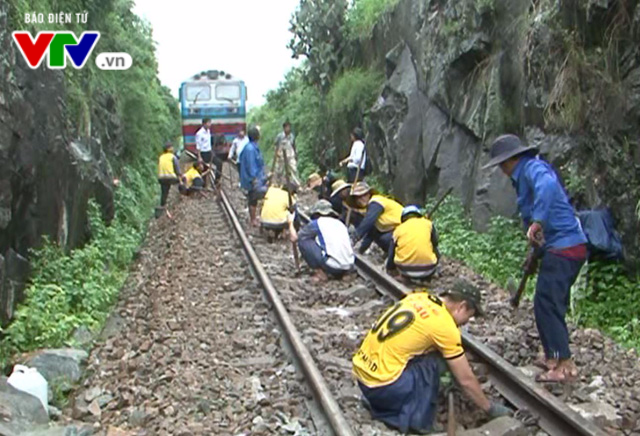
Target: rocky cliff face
[(46, 175), (460, 73)]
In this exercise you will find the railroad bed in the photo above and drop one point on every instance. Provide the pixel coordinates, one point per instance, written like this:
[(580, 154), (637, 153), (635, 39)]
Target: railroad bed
[(332, 318), (193, 347), (537, 404), (170, 372)]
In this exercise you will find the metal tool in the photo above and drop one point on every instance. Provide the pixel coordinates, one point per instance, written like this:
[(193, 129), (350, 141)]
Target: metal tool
[(528, 269), (451, 415), (294, 247), (429, 215)]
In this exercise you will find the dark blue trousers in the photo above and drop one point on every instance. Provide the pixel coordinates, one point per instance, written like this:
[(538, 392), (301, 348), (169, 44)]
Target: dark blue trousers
[(312, 254), (409, 403), (383, 240), (553, 291)]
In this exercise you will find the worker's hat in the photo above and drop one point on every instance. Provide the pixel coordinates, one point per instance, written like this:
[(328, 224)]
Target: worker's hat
[(410, 210), (314, 180), (338, 186), (323, 208), (467, 292), (361, 188), (505, 147)]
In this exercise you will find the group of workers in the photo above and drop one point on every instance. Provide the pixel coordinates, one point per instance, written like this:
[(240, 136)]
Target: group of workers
[(399, 362)]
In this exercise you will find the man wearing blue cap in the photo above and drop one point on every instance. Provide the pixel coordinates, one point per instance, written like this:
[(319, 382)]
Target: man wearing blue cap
[(414, 250), (554, 229)]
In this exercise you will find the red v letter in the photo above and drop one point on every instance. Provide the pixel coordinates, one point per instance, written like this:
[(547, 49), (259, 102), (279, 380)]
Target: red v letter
[(33, 51)]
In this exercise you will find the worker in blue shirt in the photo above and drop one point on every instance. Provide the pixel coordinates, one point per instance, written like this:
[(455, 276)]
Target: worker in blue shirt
[(252, 176), (553, 227)]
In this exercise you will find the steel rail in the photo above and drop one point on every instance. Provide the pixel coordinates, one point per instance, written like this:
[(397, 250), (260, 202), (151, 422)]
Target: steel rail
[(554, 417), (318, 386)]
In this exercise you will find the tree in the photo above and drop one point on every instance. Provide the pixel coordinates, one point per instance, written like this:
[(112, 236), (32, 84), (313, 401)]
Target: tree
[(318, 28)]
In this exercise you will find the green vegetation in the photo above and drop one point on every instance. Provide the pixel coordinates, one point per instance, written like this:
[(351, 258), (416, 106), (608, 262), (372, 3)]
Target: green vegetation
[(72, 288), (611, 302), (79, 288), (351, 96), (477, 250), (606, 300), (321, 123), (303, 106), (364, 14)]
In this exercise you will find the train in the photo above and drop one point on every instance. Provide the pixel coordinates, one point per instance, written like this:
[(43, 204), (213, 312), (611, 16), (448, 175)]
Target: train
[(216, 95)]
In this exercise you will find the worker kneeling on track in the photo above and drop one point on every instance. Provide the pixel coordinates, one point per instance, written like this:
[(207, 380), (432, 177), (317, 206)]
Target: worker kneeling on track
[(324, 243), (276, 209), (399, 363), (414, 250), (194, 179), (382, 217)]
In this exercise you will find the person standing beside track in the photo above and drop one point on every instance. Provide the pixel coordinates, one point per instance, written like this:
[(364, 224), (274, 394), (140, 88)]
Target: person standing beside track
[(357, 157), (220, 153), (252, 176), (554, 229), (324, 243), (285, 143), (238, 144), (168, 173), (203, 143), (399, 363)]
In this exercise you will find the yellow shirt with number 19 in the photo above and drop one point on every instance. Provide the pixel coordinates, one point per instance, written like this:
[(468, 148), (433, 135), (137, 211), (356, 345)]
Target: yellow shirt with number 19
[(416, 325)]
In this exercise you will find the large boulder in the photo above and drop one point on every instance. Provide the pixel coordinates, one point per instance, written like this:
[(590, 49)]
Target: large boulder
[(47, 176), (14, 271), (62, 430), (19, 411), (59, 366), (461, 73)]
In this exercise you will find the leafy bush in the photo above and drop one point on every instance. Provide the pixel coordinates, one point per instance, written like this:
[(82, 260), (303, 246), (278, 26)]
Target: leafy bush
[(364, 14), (70, 289), (79, 288), (611, 301), (321, 124), (478, 250), (351, 95), (303, 106)]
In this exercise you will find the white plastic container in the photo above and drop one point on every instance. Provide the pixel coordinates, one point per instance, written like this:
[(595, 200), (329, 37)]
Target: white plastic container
[(29, 380)]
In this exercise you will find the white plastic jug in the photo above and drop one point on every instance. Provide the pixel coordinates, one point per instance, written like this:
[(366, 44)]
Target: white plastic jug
[(29, 380)]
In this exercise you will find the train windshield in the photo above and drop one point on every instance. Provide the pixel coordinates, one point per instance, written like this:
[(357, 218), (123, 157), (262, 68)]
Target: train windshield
[(198, 93), (228, 92)]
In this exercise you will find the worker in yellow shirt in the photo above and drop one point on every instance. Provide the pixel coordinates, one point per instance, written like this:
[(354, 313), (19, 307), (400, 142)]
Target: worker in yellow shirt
[(276, 208), (398, 364), (194, 178), (168, 174), (382, 217), (414, 250)]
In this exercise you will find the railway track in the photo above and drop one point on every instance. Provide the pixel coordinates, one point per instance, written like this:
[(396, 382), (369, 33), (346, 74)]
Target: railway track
[(549, 413)]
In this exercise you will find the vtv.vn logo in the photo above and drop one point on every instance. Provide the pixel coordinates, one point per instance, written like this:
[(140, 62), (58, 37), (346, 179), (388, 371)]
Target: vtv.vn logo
[(60, 45)]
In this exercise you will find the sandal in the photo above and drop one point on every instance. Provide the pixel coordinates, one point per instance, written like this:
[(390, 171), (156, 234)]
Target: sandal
[(546, 364), (557, 375)]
